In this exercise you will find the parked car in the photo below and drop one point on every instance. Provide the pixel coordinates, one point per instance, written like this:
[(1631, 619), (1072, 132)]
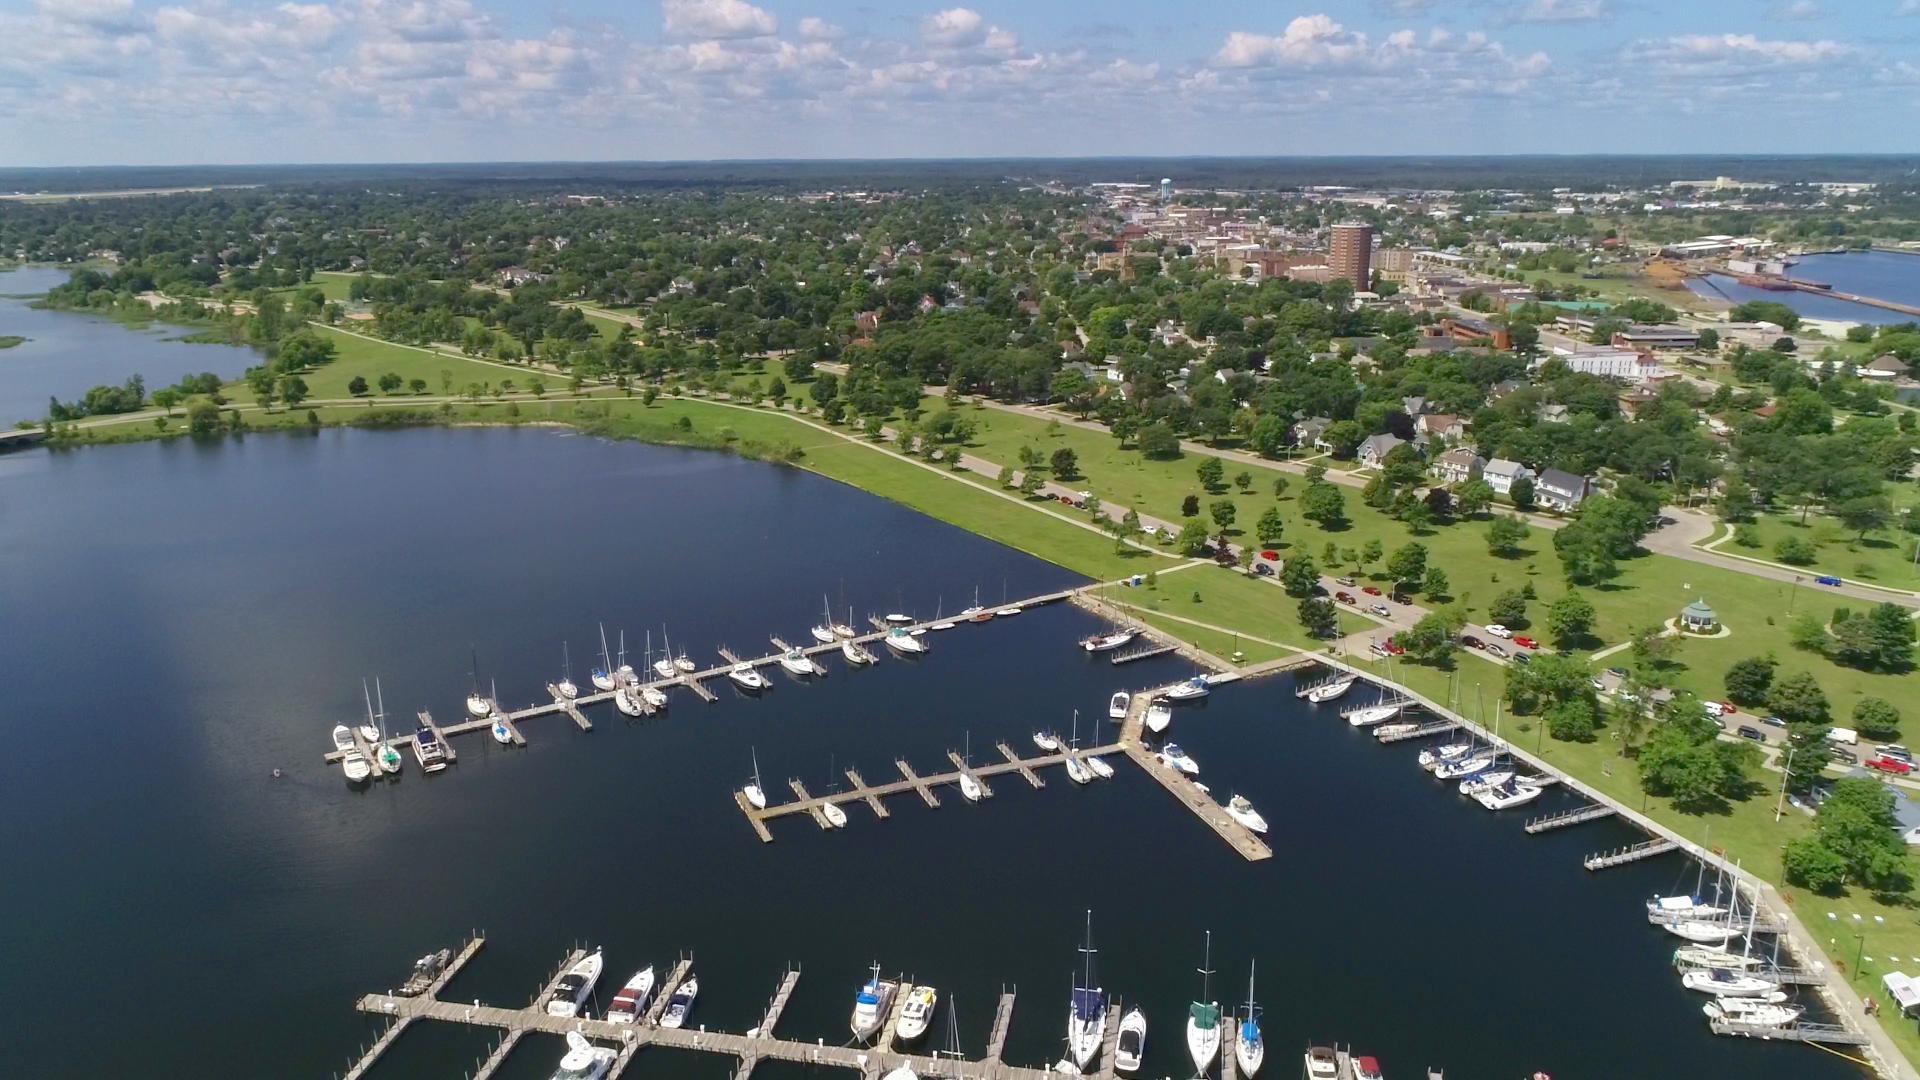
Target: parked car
[(1894, 750), (1263, 569), (1773, 721), (1826, 579), (1522, 658), (1494, 649), (1370, 590), (1617, 672), (1395, 649), (1470, 641), (1748, 731), (1713, 709), (1345, 598), (1498, 631), (1378, 649), (1381, 610), (1347, 581), (1269, 555), (1727, 707), (1890, 765), (1526, 642)]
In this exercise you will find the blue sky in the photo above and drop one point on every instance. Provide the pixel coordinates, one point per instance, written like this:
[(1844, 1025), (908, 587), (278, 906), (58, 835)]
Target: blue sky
[(188, 81)]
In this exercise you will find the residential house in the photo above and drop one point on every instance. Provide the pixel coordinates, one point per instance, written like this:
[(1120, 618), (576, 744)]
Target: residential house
[(1440, 426), (1502, 389), (1414, 405), (1551, 414), (1634, 400), (516, 275), (1310, 432), (866, 322), (1500, 474), (1885, 366), (1375, 448), (1459, 465), (1560, 490)]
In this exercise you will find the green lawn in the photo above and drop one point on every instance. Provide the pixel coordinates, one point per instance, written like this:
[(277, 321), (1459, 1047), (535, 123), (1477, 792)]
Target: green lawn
[(1883, 558), (370, 359)]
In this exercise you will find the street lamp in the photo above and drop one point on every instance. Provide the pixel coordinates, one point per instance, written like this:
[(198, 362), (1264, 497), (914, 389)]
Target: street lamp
[(1786, 774)]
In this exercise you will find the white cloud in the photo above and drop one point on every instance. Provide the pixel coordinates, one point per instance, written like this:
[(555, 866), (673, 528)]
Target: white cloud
[(717, 19), (1795, 10), (1564, 11), (954, 28), (1308, 41), (1908, 7), (1748, 48), (813, 28)]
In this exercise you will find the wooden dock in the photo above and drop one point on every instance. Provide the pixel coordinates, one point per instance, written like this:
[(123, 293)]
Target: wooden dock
[(1144, 652), (1181, 786), (1425, 731), (961, 765), (926, 790), (812, 805), (1002, 1021), (1575, 816), (379, 1046), (1646, 849), (694, 681), (748, 1050), (1828, 1034), (1020, 765), (862, 791)]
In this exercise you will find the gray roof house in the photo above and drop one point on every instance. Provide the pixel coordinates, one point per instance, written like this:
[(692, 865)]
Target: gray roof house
[(1375, 448), (1309, 432), (1501, 473), (1459, 465), (1561, 490)]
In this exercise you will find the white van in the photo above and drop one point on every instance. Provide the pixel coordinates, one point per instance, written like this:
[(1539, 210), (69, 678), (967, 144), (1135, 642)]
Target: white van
[(1846, 736)]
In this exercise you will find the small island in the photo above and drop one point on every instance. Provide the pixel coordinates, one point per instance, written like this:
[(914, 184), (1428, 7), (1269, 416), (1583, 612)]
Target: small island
[(8, 341)]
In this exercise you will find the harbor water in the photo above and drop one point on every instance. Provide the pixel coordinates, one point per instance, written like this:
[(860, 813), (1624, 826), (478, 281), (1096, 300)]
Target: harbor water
[(186, 618), (1883, 275)]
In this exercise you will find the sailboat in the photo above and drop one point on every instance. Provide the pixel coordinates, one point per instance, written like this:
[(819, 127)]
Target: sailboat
[(835, 816), (351, 762), (872, 1005), (478, 706), (1203, 1018), (627, 701), (1087, 1016), (1099, 643), (824, 632), (844, 629), (603, 675), (976, 613), (664, 667), (680, 662), (624, 673), (856, 653), (1249, 1050), (1330, 691), (755, 794), (969, 784), (383, 755), (1133, 1041), (1077, 770), (566, 686)]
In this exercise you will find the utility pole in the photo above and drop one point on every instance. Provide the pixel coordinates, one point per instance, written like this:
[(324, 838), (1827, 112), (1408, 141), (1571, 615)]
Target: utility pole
[(1786, 774)]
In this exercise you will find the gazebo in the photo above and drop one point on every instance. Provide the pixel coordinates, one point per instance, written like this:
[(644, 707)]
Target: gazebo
[(1698, 618)]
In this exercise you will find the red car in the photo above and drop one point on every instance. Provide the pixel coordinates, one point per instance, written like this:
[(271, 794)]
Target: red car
[(1370, 590), (1890, 765), (1727, 709), (1395, 649), (1270, 555), (1526, 643), (1345, 598)]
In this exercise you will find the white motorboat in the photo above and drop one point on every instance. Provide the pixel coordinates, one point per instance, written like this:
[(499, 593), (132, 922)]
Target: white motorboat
[(1249, 1049), (428, 750), (631, 1001), (1752, 1013), (1015, 610), (1047, 740), (1432, 757), (566, 684), (684, 666), (1366, 1068), (900, 1072), (1087, 1010), (1175, 758), (797, 663), (897, 619), (572, 989), (1507, 796), (755, 794), (1133, 1042), (583, 1060), (1098, 766), (1372, 714), (1662, 909), (680, 1003), (653, 696), (1192, 690), (916, 1011), (856, 654), (1331, 691), (1158, 718), (1486, 781), (746, 678), (501, 733), (1242, 811), (835, 816), (941, 626), (1118, 704), (1722, 982), (1700, 931), (623, 671), (823, 634), (1322, 1063), (352, 762), (628, 702), (900, 641), (872, 1005), (1203, 1019), (1099, 643)]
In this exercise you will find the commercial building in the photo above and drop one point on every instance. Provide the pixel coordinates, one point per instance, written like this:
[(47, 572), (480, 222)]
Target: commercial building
[(1350, 254)]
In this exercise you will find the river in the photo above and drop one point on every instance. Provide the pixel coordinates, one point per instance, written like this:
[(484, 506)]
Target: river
[(1883, 275), (67, 353), (187, 617)]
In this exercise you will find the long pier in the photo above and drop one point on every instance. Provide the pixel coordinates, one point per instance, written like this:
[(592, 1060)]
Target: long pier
[(748, 1050), (1646, 849), (1182, 787), (1575, 816), (694, 681), (923, 786)]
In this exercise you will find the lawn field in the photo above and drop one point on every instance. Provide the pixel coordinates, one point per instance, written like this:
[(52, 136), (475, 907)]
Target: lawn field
[(1882, 558)]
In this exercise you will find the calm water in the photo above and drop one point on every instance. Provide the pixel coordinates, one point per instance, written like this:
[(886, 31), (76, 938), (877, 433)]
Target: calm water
[(1884, 275), (66, 354), (187, 617)]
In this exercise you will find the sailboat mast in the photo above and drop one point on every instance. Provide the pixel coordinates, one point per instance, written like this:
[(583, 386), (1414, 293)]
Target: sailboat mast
[(1206, 969), (1086, 952)]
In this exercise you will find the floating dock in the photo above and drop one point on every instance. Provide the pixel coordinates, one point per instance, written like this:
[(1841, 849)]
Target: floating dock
[(1646, 849), (1575, 816)]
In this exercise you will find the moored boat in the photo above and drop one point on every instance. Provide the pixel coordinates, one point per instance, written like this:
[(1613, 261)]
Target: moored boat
[(916, 1011), (1667, 908), (856, 654), (1203, 1019), (1322, 1063), (746, 678), (1249, 1049), (900, 641), (1047, 740), (572, 989), (756, 795), (797, 663), (1692, 957), (627, 701), (1372, 714), (603, 675), (566, 684), (1118, 704), (1700, 931), (631, 1001), (1485, 781), (1366, 1067), (1722, 982), (1098, 766), (501, 733), (1087, 1010), (680, 1003), (1099, 643), (428, 750), (872, 1005), (1242, 811), (1331, 691), (1175, 758), (1159, 717), (352, 762), (583, 1060), (1192, 690), (1752, 1014), (1506, 796), (1133, 1041)]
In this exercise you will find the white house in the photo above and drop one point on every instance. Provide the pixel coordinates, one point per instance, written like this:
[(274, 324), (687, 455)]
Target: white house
[(1375, 449), (1459, 465), (1560, 490), (1500, 474)]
